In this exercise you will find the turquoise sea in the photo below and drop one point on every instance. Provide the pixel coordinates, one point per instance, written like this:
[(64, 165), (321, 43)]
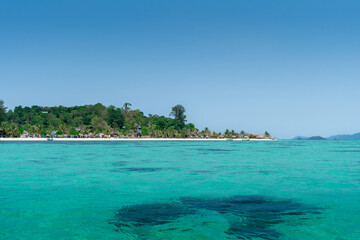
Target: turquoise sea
[(180, 190)]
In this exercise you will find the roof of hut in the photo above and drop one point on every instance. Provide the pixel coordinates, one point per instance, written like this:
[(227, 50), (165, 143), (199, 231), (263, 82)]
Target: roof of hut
[(262, 136), (115, 132)]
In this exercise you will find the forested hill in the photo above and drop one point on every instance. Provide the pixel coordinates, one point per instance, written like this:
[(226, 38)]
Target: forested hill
[(95, 120)]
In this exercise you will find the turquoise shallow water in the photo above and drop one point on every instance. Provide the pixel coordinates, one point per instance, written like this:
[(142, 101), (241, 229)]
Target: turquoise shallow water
[(180, 190)]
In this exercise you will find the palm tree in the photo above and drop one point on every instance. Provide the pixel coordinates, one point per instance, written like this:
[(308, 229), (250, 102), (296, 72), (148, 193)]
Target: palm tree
[(157, 133), (2, 111), (267, 135), (151, 129), (183, 133), (195, 132), (242, 133), (36, 129), (227, 132), (171, 132), (13, 130), (178, 112), (3, 128), (86, 130), (126, 107), (207, 132), (107, 131), (50, 130), (63, 128)]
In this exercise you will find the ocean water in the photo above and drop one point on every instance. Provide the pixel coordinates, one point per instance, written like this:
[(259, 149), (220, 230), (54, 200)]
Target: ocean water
[(180, 190)]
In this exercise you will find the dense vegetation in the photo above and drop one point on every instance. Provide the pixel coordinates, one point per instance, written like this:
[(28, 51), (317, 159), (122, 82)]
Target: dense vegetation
[(96, 120)]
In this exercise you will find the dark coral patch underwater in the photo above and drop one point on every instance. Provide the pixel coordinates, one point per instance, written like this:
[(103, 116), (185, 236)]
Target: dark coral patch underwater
[(144, 169), (150, 214), (119, 163), (347, 151), (258, 213), (213, 150), (202, 171)]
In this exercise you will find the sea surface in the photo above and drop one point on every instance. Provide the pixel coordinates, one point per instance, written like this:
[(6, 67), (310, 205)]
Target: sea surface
[(180, 190)]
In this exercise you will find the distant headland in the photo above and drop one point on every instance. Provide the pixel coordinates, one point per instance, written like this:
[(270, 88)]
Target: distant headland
[(355, 136), (100, 122)]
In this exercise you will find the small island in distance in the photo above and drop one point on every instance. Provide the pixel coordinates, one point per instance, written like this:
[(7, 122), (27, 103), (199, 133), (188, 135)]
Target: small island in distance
[(100, 122), (355, 136)]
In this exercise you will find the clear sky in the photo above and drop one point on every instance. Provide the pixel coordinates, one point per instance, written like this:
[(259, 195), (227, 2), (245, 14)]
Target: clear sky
[(288, 67)]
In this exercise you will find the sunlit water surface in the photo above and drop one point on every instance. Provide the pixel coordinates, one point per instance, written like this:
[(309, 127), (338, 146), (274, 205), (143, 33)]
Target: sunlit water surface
[(180, 190)]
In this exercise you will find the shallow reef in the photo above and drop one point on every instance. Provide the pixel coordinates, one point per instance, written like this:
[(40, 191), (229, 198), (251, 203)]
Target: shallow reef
[(150, 214), (141, 169), (248, 217)]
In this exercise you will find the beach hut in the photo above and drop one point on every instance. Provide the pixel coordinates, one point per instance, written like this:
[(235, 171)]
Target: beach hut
[(262, 136), (115, 133), (25, 134), (252, 135)]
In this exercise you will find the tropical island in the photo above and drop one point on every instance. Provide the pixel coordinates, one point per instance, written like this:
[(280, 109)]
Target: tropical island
[(100, 122)]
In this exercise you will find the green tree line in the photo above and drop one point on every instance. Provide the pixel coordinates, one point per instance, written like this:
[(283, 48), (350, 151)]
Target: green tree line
[(99, 119), (94, 119)]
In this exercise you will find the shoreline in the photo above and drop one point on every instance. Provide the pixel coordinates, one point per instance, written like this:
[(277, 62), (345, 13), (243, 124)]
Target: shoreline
[(125, 139)]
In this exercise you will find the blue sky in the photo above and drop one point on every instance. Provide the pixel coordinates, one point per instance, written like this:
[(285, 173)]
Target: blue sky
[(288, 67)]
